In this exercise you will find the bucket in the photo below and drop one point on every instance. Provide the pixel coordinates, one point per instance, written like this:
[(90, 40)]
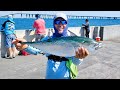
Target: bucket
[(97, 39)]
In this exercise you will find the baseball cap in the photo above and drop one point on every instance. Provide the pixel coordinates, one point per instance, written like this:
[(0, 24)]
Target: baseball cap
[(62, 15), (10, 17)]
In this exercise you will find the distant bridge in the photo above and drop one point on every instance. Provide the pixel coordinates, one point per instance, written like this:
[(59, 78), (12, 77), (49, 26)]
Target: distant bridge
[(48, 16)]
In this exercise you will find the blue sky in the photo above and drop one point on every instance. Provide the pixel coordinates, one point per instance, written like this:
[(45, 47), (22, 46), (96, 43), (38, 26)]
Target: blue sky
[(78, 13)]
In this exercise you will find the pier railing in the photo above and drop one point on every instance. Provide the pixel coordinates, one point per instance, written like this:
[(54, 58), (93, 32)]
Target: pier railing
[(28, 15)]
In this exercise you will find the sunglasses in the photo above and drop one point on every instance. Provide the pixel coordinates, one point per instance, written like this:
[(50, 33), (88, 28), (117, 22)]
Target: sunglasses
[(60, 21)]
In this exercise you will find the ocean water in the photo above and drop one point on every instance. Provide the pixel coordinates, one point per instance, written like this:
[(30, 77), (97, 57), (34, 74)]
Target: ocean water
[(26, 23)]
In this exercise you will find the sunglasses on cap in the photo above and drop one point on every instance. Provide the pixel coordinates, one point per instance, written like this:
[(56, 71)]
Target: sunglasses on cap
[(60, 21)]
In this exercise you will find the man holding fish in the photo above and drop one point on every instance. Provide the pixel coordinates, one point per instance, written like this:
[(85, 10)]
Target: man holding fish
[(58, 67)]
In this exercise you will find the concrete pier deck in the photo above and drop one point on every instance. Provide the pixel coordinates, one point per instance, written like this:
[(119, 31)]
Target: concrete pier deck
[(105, 64)]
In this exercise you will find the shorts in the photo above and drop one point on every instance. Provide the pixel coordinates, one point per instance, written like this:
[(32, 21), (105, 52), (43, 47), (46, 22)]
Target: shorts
[(9, 39)]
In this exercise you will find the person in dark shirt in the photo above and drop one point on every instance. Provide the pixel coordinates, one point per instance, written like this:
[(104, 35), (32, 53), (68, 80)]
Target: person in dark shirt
[(87, 27)]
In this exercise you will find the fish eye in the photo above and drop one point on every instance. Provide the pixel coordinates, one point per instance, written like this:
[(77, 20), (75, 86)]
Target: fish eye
[(49, 40)]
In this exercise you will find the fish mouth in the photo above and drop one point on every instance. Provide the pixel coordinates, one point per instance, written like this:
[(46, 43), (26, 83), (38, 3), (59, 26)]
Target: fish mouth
[(98, 45)]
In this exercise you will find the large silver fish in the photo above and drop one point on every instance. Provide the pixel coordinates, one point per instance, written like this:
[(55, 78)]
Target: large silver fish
[(65, 46)]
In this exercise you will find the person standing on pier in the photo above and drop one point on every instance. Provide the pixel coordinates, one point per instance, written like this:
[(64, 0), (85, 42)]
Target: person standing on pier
[(39, 25), (87, 27), (9, 29)]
